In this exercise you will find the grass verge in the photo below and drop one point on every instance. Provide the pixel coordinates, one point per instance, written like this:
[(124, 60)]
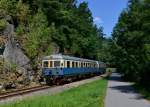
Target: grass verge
[(143, 90), (88, 95)]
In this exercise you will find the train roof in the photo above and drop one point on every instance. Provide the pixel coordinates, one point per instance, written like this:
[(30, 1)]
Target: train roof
[(66, 57)]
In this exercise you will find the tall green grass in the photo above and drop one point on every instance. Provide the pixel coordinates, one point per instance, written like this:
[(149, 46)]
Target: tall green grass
[(88, 95)]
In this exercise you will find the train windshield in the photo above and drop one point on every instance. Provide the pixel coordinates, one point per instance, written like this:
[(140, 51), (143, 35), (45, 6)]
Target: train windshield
[(45, 64), (56, 63)]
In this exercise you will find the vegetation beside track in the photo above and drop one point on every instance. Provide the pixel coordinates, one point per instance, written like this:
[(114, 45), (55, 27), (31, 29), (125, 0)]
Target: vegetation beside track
[(131, 42), (88, 95), (145, 91)]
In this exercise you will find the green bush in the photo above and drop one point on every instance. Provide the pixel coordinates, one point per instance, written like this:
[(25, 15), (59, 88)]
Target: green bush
[(2, 24), (13, 67)]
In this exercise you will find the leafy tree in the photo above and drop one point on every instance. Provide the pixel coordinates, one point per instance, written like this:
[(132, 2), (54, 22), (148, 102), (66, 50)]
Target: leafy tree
[(42, 24), (131, 42), (8, 7), (38, 38), (22, 12)]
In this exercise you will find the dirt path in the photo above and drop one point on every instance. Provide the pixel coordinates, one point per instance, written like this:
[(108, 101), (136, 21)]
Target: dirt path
[(121, 94)]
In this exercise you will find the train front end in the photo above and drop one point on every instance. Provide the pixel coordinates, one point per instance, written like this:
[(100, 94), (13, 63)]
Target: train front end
[(52, 68)]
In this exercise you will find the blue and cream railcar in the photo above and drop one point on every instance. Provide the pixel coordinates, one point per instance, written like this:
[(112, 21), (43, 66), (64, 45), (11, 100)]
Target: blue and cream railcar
[(102, 67), (61, 66)]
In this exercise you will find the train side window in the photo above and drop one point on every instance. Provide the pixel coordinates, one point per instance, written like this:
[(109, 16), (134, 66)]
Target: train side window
[(65, 64), (50, 64), (68, 64), (76, 64), (96, 65), (92, 65), (73, 64), (45, 64), (62, 64), (81, 64)]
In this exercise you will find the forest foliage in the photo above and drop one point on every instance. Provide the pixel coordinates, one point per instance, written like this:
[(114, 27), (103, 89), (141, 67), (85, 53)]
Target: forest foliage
[(43, 25), (131, 42)]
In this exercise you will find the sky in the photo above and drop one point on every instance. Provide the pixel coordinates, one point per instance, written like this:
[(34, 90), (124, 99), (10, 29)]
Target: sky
[(106, 12)]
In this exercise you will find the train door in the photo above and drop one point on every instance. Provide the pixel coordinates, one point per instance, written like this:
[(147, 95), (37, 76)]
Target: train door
[(58, 65)]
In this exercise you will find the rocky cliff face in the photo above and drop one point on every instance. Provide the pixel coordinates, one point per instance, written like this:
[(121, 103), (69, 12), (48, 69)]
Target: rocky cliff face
[(13, 55), (12, 52)]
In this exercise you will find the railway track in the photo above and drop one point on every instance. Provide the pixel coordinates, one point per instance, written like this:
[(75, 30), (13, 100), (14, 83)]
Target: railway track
[(22, 91)]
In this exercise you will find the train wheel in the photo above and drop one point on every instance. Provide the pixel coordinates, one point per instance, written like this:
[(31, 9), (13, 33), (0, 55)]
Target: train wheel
[(48, 81), (59, 82)]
